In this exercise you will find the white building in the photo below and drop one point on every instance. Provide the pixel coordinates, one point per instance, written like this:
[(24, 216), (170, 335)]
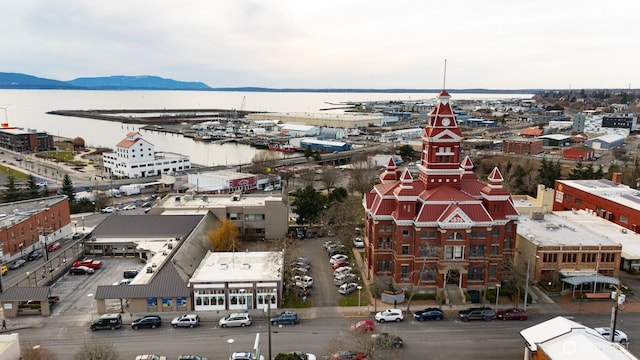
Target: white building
[(237, 281), (135, 157)]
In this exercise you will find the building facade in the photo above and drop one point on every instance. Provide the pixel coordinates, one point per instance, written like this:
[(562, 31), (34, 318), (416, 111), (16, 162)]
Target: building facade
[(445, 227), (24, 140), (135, 157), (32, 224), (522, 146), (610, 200)]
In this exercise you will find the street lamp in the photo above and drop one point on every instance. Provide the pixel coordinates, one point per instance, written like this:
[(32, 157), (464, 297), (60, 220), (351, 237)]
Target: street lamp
[(359, 288), (230, 341), (497, 296), (83, 223), (244, 299)]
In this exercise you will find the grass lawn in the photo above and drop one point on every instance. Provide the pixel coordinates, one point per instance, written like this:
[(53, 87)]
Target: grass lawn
[(19, 176)]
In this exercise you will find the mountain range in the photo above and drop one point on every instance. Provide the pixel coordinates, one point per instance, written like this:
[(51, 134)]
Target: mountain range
[(148, 82)]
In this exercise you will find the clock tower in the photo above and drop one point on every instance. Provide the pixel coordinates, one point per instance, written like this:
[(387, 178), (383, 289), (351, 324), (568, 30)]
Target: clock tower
[(441, 145)]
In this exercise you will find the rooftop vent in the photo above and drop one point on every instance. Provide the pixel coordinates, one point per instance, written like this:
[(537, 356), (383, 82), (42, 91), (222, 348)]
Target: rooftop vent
[(223, 266), (537, 215), (245, 266)]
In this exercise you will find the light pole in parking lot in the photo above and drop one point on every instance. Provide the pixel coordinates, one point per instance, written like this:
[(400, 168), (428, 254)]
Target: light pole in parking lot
[(83, 223), (359, 288), (230, 342)]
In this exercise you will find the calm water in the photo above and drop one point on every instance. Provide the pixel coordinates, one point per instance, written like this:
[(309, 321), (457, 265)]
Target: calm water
[(28, 108)]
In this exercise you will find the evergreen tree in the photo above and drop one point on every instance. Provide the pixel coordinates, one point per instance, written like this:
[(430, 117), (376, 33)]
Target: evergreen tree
[(12, 193), (33, 191), (308, 153), (67, 188), (578, 172), (309, 204)]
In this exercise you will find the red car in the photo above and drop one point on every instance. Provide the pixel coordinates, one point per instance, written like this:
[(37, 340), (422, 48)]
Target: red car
[(512, 314), (53, 247), (363, 326), (94, 264), (348, 355), (338, 264)]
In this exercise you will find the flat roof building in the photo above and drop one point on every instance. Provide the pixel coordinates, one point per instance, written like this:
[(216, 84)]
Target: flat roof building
[(238, 280)]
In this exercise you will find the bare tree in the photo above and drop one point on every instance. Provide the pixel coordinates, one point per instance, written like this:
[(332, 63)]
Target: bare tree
[(363, 174), (36, 352), (225, 237), (264, 161), (372, 346), (329, 177), (308, 178), (96, 349)]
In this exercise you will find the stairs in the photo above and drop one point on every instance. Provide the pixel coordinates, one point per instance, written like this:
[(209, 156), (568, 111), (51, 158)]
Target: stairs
[(454, 294)]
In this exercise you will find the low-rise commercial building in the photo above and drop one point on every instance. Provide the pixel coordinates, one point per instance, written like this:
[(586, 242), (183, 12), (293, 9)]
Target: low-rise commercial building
[(238, 281)]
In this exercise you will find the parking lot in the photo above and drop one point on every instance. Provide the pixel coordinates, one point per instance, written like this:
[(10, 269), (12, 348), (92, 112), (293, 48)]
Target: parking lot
[(76, 291), (324, 291)]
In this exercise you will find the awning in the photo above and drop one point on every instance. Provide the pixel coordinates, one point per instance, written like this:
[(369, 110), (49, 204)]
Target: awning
[(577, 280), (573, 272)]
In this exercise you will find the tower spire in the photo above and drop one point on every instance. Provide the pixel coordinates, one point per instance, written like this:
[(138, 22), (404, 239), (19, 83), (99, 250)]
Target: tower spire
[(444, 80)]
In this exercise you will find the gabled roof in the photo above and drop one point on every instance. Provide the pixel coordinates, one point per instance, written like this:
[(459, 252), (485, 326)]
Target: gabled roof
[(534, 131), (15, 293), (166, 283), (153, 226)]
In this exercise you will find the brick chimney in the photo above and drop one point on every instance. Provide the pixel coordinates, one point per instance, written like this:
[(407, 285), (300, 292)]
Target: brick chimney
[(617, 178)]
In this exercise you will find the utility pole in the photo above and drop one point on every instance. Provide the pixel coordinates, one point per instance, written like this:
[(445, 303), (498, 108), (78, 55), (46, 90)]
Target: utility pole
[(614, 311)]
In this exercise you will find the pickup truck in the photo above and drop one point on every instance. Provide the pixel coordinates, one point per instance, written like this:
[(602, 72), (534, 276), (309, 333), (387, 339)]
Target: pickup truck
[(94, 264)]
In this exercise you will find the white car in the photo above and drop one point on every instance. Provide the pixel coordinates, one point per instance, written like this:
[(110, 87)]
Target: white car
[(342, 270), (346, 289), (304, 280), (358, 243), (390, 315), (344, 278), (186, 320), (109, 209), (129, 207), (338, 257), (619, 336)]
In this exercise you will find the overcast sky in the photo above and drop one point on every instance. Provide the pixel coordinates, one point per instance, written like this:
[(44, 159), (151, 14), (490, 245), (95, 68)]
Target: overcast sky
[(495, 44)]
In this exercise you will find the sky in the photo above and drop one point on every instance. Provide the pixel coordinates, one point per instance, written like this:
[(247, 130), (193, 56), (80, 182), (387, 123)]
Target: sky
[(374, 44)]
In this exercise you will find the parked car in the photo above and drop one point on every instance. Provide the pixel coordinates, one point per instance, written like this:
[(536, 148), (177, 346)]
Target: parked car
[(77, 236), (358, 243), (235, 319), (428, 314), (305, 280), (191, 357), (512, 314), (619, 337), (389, 315), (51, 299), (338, 264), (109, 209), (363, 326), (130, 273), (338, 257), (107, 321), (342, 270), (81, 270), (300, 289), (186, 320), (146, 204), (486, 314), (17, 264), (386, 341), (241, 356), (35, 255), (129, 207), (303, 265), (346, 289), (348, 355), (299, 271), (53, 247), (304, 260), (302, 355), (147, 322), (344, 278), (150, 357), (4, 269), (94, 264), (285, 317)]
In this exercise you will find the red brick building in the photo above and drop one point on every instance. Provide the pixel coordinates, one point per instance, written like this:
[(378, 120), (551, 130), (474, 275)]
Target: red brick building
[(608, 199), (579, 153), (446, 227), (522, 146), (22, 223)]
